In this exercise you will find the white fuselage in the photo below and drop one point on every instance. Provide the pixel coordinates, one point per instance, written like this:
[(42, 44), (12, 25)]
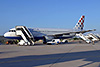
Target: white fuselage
[(39, 33)]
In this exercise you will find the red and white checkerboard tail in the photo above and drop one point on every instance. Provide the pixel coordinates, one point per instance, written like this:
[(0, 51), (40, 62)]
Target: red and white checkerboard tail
[(80, 24)]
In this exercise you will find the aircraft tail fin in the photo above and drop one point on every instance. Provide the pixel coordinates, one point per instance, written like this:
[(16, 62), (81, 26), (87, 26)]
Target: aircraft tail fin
[(80, 24)]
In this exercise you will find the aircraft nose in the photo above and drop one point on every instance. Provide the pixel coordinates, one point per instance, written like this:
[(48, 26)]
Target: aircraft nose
[(6, 34)]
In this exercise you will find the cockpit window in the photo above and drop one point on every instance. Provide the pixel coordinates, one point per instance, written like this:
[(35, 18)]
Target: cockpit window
[(53, 41), (12, 31)]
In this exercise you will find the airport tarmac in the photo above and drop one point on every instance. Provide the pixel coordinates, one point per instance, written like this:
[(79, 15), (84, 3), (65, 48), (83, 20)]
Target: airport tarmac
[(62, 55)]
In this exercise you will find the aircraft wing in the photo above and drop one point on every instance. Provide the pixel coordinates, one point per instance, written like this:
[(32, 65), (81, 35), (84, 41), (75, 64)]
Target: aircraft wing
[(86, 31), (74, 32)]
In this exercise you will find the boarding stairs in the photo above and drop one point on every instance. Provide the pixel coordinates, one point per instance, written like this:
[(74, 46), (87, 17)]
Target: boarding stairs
[(98, 36), (84, 37), (93, 36), (26, 35)]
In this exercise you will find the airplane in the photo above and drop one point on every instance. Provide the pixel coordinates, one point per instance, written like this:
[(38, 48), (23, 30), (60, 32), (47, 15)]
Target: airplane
[(45, 34)]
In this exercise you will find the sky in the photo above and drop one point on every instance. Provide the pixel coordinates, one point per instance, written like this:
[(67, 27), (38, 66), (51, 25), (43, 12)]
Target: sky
[(49, 14)]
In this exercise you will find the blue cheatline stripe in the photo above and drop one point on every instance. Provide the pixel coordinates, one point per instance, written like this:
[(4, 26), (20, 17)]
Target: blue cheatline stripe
[(14, 37)]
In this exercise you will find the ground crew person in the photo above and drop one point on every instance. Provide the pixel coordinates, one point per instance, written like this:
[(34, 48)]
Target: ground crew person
[(93, 43), (7, 42), (92, 40)]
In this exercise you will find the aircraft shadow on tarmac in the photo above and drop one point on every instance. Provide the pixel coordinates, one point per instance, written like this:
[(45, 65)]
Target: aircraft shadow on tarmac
[(38, 60)]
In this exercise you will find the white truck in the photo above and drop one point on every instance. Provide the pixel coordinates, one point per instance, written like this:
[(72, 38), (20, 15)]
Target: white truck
[(56, 41)]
